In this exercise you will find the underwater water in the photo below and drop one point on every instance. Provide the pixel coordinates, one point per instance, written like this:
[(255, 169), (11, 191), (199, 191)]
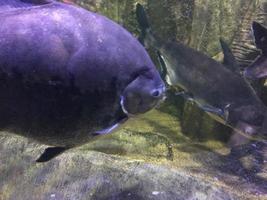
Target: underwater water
[(206, 140)]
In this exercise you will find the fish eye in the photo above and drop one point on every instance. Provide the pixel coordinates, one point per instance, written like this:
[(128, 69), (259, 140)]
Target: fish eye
[(156, 93)]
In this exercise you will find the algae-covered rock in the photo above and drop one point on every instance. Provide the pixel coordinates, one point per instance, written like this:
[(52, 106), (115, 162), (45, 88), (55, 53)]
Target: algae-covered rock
[(93, 175), (149, 158)]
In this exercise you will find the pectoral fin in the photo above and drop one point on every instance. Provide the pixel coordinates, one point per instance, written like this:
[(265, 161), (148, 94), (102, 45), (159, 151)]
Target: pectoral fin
[(110, 129), (107, 130), (222, 113), (50, 153), (211, 109), (163, 67)]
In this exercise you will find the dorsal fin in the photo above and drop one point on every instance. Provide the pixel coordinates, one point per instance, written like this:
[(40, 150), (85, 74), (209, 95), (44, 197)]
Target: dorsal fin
[(229, 60), (142, 21), (7, 4)]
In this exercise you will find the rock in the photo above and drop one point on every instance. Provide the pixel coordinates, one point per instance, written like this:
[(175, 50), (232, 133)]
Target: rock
[(148, 159), (94, 175)]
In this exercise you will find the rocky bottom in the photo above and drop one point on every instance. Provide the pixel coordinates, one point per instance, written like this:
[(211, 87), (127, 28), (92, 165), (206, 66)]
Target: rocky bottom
[(149, 158)]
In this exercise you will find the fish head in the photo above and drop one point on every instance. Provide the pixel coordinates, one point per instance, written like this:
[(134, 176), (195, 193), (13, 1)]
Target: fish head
[(258, 69), (142, 94)]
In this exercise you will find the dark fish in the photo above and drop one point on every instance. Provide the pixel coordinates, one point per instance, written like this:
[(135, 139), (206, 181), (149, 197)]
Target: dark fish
[(67, 75), (258, 69), (219, 89), (229, 61)]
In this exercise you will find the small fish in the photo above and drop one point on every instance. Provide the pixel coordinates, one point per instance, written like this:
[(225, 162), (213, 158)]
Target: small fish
[(68, 75), (258, 69), (218, 89)]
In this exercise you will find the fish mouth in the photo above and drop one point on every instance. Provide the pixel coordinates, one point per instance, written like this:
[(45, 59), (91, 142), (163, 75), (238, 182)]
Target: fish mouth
[(157, 96)]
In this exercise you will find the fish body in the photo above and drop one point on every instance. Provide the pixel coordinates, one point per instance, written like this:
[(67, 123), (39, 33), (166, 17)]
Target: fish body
[(67, 74), (216, 88)]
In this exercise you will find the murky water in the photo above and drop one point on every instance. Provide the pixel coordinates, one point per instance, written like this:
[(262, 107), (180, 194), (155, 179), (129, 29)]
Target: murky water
[(207, 140)]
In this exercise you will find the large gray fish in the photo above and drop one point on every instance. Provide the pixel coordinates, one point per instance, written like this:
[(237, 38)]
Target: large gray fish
[(218, 89), (258, 69), (68, 75)]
